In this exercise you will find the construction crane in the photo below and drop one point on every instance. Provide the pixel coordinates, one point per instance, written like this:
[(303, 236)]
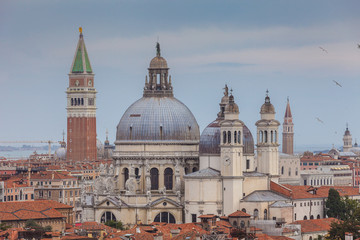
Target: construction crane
[(48, 142)]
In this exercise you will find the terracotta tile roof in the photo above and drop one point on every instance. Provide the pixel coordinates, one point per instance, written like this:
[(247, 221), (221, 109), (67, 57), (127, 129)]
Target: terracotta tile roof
[(302, 192), (94, 226), (315, 225), (239, 213), (51, 175), (14, 211), (262, 236)]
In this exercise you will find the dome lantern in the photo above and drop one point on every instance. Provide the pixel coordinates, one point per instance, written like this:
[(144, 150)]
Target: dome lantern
[(159, 83)]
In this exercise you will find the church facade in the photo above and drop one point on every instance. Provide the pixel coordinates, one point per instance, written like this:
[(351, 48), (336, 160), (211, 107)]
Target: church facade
[(164, 171)]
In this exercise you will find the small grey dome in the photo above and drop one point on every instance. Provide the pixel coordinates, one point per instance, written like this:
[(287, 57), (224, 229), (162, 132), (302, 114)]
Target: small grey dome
[(158, 119), (210, 139), (267, 107), (60, 153)]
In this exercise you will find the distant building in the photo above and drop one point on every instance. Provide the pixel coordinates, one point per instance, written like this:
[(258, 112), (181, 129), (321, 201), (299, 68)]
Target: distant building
[(288, 131), (45, 213)]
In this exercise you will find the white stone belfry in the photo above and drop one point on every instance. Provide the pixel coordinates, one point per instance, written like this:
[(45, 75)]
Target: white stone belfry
[(347, 140), (231, 130), (267, 141)]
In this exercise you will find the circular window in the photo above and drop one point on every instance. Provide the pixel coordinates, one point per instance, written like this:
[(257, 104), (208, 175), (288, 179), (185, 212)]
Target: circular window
[(107, 203), (164, 203)]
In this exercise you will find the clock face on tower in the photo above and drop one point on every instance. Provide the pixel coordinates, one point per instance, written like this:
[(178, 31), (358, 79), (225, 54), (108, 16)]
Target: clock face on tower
[(227, 161), (90, 83)]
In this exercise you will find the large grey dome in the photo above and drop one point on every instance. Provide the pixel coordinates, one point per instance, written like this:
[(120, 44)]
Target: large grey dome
[(158, 119), (210, 139)]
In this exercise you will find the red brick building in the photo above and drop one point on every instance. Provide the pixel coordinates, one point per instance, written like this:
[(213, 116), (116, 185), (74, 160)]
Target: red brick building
[(81, 108)]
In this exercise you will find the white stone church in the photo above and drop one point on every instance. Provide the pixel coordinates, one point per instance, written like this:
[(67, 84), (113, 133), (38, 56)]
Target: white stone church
[(164, 171)]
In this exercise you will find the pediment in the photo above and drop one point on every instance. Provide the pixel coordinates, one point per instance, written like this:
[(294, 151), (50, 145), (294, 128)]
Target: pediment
[(164, 202)]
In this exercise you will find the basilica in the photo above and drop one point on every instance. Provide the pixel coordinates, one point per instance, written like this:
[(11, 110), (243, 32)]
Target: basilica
[(163, 170)]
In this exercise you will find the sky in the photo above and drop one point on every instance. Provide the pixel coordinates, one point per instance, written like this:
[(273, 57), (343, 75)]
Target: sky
[(250, 45)]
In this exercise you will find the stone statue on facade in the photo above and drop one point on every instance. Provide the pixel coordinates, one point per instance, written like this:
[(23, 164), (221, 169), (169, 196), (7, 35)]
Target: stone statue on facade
[(130, 186), (111, 169)]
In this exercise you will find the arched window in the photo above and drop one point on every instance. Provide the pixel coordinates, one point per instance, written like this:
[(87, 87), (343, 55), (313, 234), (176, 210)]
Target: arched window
[(239, 137), (229, 137), (242, 224), (318, 216), (261, 136), (256, 213), (234, 223), (194, 169), (164, 217), (235, 137), (168, 178), (82, 101), (272, 136), (107, 216), (78, 100), (126, 175), (289, 172), (243, 210), (186, 170), (282, 170), (72, 102), (224, 137), (296, 172), (311, 217), (265, 214), (137, 175), (266, 136), (310, 238), (305, 217), (154, 177)]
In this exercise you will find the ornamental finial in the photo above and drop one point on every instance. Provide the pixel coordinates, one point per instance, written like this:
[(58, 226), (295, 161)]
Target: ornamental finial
[(158, 49), (80, 30)]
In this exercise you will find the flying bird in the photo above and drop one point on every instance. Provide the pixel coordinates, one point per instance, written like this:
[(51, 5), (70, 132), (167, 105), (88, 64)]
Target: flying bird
[(337, 83), (320, 120), (358, 45), (323, 49)]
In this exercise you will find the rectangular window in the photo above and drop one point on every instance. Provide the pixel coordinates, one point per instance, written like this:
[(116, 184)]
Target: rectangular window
[(32, 196), (16, 197), (60, 193), (26, 197), (316, 164), (49, 194), (300, 204), (91, 101), (311, 164), (71, 193), (193, 217), (305, 164), (4, 198), (247, 164)]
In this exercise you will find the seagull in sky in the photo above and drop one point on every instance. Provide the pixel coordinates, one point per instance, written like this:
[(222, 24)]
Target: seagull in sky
[(320, 120), (323, 49), (337, 83)]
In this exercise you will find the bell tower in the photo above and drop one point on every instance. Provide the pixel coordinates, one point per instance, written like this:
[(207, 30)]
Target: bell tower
[(81, 107), (288, 132), (347, 139), (267, 140), (231, 145)]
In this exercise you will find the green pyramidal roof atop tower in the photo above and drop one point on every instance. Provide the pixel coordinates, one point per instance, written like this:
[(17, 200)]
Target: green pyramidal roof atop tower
[(81, 63)]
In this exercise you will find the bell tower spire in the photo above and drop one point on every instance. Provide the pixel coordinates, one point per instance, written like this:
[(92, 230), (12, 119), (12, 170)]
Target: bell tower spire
[(288, 131), (81, 107)]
